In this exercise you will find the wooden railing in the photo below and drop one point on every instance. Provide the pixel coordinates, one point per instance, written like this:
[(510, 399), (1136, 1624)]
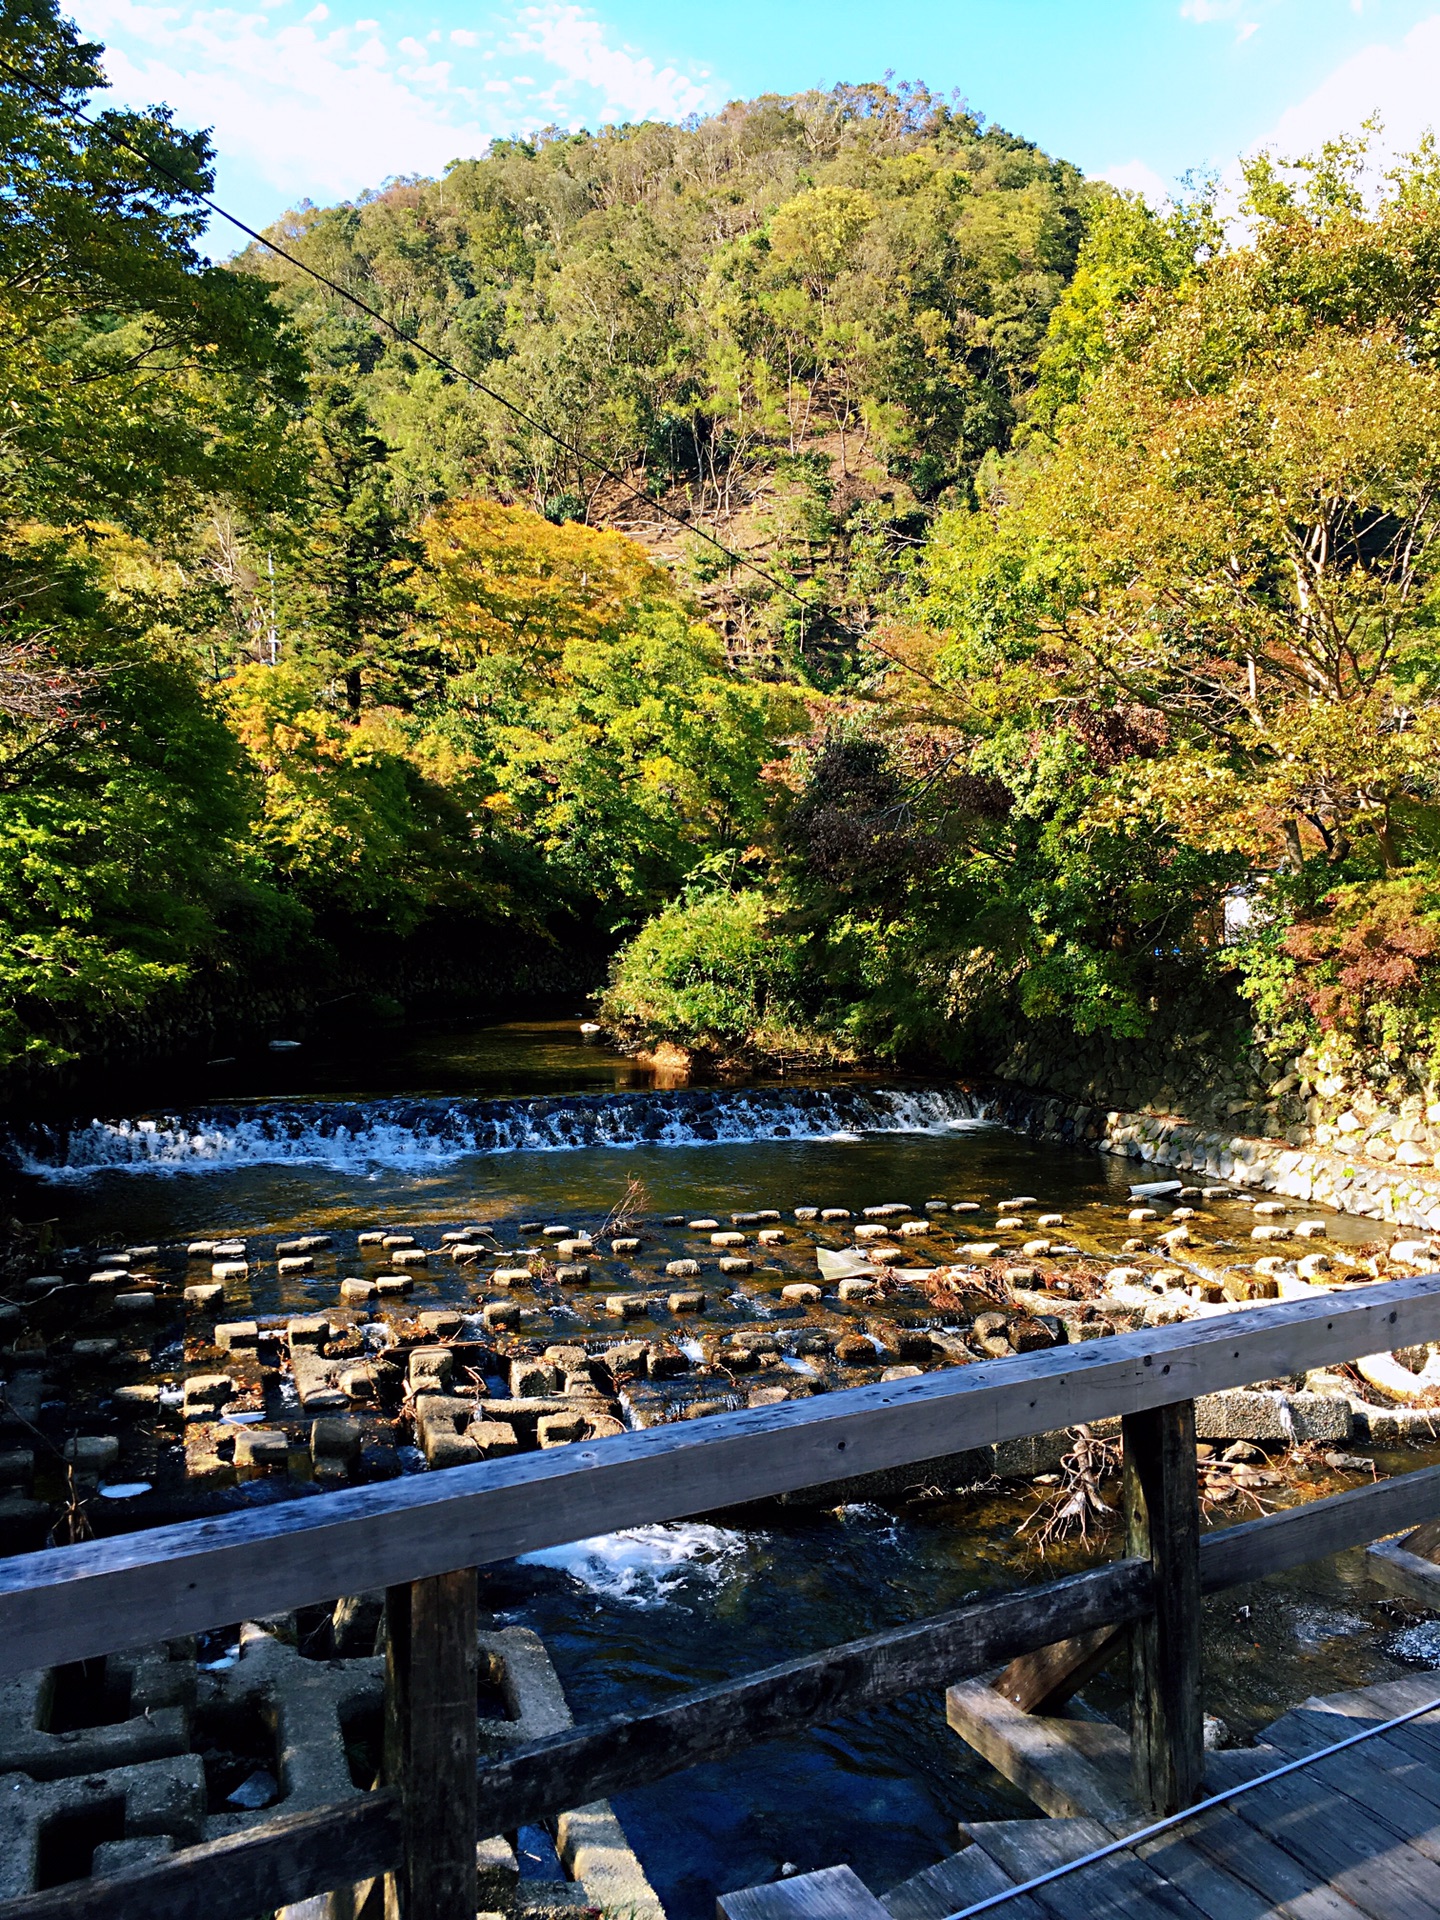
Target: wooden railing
[(423, 1538)]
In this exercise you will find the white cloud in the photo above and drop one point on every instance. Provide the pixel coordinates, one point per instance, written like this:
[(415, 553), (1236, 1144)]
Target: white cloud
[(574, 42), (325, 108), (1203, 12), (1401, 83), (1133, 176), (1245, 29)]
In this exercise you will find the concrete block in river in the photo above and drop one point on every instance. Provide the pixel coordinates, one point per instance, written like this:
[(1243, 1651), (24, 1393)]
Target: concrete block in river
[(801, 1293), (143, 1302), (493, 1439), (440, 1322), (510, 1277), (500, 1313), (336, 1439), (358, 1291), (92, 1452), (572, 1274), (682, 1269), (308, 1330), (261, 1447), (736, 1263), (560, 1429), (391, 1285), (856, 1289), (206, 1393), (430, 1366), (310, 1704), (626, 1306), (147, 1692), (232, 1335), (158, 1797), (296, 1263), (534, 1379), (358, 1383), (229, 1269), (1247, 1413), (206, 1298), (689, 1301)]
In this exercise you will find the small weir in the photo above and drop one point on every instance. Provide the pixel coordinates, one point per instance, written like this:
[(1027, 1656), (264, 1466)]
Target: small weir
[(256, 1301)]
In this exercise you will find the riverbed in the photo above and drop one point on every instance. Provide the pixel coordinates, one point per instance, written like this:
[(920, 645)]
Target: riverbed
[(512, 1126)]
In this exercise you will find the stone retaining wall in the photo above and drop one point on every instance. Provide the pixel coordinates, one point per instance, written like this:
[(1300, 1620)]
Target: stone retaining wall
[(1399, 1196)]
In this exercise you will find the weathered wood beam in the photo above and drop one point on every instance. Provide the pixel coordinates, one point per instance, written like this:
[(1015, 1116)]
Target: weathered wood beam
[(431, 1744), (592, 1762), (1041, 1682), (1298, 1535), (1162, 1523), (70, 1603), (290, 1859)]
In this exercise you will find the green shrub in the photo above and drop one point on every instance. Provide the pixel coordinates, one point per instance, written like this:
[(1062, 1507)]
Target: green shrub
[(718, 975)]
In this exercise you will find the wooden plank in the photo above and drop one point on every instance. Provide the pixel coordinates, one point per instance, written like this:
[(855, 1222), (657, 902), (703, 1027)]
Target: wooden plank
[(1162, 1521), (68, 1603), (431, 1744), (1330, 1836), (947, 1888), (1217, 1893), (1120, 1885), (1234, 1846), (1410, 1575), (1387, 1779), (1298, 1535), (1042, 1682), (608, 1756), (835, 1893), (1071, 1769), (286, 1860)]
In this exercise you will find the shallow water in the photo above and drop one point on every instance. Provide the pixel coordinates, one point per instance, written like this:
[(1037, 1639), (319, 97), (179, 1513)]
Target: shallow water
[(633, 1619)]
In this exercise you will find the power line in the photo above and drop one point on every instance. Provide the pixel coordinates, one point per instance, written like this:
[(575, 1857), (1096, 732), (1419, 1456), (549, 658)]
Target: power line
[(599, 466)]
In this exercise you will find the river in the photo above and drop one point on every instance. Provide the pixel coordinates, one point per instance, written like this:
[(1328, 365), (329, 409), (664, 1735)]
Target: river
[(529, 1119)]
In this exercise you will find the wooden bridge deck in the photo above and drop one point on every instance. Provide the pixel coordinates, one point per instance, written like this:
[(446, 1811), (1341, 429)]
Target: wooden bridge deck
[(1356, 1837)]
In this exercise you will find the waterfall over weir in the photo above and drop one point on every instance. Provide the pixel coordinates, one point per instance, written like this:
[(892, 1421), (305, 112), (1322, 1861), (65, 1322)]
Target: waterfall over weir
[(420, 1133)]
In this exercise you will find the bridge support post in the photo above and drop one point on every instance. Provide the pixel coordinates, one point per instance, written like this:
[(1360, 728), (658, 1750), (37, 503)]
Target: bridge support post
[(1162, 1523), (431, 1739)]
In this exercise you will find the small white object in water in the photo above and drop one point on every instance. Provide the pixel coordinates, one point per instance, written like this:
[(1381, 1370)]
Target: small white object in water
[(243, 1419), (281, 1046), (589, 1026), (1154, 1189), (125, 1490)]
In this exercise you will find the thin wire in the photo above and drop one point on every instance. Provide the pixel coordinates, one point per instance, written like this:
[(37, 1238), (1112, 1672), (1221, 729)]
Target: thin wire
[(59, 102), (1187, 1813)]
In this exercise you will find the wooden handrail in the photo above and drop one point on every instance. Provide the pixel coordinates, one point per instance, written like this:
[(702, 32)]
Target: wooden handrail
[(72, 1603), (293, 1857)]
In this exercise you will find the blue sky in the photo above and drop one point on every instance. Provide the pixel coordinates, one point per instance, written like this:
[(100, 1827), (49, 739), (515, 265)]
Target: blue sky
[(324, 98)]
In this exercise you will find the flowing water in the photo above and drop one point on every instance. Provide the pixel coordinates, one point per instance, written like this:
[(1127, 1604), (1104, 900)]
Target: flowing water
[(528, 1119)]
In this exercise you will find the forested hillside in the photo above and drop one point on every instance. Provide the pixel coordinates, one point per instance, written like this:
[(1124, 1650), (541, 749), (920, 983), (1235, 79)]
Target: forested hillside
[(886, 592), (798, 324)]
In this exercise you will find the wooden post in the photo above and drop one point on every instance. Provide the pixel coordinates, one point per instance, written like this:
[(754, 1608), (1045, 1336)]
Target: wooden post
[(431, 1739), (1162, 1521)]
